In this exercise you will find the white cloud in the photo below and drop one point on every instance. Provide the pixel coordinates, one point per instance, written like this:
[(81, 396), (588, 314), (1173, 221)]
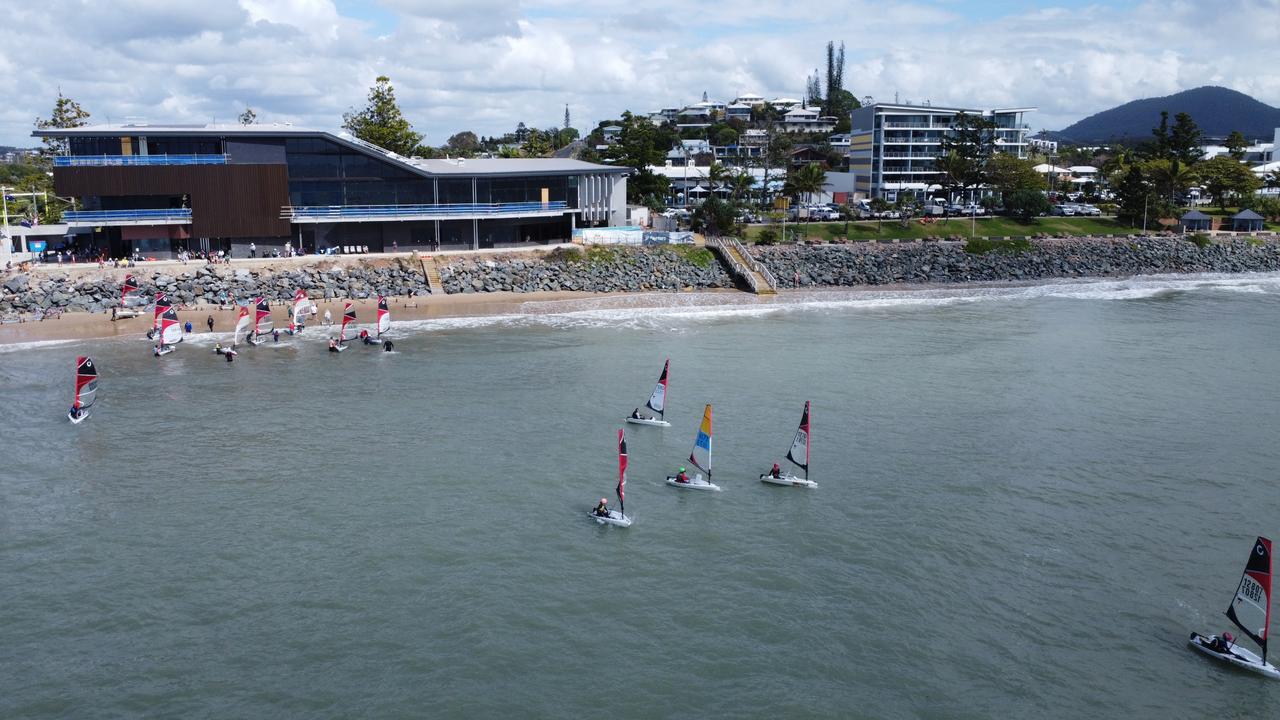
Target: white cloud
[(488, 64)]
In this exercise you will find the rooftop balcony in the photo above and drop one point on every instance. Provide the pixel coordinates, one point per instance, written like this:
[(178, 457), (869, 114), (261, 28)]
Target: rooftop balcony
[(102, 218), (399, 213), (143, 160)]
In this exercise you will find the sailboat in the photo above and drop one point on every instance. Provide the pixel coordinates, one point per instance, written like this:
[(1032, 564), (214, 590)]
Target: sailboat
[(348, 317), (162, 304), (128, 287), (170, 333), (262, 324), (244, 325), (1250, 610), (657, 402), (301, 309), (700, 457), (86, 390), (618, 517), (798, 455), (384, 316)]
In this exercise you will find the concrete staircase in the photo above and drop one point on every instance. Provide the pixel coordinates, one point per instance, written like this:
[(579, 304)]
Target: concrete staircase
[(432, 273), (743, 267)]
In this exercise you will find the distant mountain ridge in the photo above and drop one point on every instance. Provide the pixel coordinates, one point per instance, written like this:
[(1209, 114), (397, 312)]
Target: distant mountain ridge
[(1217, 110)]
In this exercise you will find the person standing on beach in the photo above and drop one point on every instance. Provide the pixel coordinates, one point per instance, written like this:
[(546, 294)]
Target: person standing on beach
[(253, 250), (209, 321), (328, 319)]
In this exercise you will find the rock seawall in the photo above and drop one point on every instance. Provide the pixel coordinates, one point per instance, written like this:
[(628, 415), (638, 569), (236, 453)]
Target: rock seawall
[(597, 269), (197, 285), (949, 262)]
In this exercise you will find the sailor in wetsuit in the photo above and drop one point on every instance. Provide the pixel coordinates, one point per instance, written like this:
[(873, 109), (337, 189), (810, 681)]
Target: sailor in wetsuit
[(775, 472), (635, 414), (333, 346), (74, 412), (681, 477), (387, 345), (1222, 643), (602, 510)]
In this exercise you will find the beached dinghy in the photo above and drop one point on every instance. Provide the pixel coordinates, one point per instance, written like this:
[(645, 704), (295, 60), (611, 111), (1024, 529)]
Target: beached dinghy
[(617, 517), (129, 300), (170, 333), (657, 403), (262, 323), (700, 456), (1250, 610), (86, 390), (798, 455)]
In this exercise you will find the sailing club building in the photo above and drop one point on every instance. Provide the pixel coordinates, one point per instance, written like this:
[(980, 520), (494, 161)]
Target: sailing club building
[(158, 189)]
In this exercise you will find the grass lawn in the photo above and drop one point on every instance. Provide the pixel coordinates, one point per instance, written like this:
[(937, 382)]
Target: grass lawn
[(992, 226)]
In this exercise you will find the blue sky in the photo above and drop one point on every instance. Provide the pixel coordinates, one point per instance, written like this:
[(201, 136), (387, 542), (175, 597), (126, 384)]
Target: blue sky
[(485, 65)]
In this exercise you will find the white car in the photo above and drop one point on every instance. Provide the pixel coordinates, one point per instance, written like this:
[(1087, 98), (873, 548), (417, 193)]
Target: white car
[(972, 209)]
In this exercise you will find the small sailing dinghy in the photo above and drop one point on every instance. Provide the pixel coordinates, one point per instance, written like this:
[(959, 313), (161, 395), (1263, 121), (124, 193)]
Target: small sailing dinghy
[(657, 403), (170, 333), (348, 317), (128, 299), (244, 325), (262, 324), (301, 309), (700, 456), (617, 517), (86, 390), (384, 316), (162, 304), (798, 455), (1250, 610)]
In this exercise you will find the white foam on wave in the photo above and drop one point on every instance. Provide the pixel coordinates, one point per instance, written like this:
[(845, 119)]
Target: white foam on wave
[(35, 344)]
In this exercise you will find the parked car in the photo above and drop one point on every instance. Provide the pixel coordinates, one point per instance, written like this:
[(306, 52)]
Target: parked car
[(971, 209), (1086, 209), (1063, 210)]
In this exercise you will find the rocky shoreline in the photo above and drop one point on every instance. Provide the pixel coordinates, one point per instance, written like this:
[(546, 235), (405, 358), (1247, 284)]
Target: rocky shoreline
[(863, 264), (646, 269)]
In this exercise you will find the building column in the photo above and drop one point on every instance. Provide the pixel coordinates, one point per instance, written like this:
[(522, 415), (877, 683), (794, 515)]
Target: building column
[(475, 234)]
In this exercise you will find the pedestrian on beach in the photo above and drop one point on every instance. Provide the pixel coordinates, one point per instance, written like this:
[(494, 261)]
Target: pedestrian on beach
[(209, 321), (253, 250), (187, 328), (328, 319)]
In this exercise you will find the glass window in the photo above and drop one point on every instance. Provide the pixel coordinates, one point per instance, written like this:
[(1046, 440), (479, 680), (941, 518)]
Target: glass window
[(455, 191), (313, 165)]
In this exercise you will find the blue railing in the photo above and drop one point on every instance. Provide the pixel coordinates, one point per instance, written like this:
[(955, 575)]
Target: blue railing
[(168, 216), (352, 212), (116, 160)]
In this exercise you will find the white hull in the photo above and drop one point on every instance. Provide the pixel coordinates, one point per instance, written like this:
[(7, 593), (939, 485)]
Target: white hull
[(1239, 657), (648, 421), (164, 350), (254, 341), (695, 483), (615, 518), (788, 481), (338, 348), (126, 314), (76, 420)]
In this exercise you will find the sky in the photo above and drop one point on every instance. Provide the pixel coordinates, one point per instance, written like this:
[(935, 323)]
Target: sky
[(485, 65)]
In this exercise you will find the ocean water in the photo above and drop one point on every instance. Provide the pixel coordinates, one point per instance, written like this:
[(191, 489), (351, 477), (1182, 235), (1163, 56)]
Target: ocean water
[(1028, 497)]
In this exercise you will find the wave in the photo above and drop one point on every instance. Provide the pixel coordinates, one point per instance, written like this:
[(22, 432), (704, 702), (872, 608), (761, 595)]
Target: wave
[(36, 344)]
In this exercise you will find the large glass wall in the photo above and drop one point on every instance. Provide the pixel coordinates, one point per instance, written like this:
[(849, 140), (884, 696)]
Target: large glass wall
[(522, 189), (325, 173)]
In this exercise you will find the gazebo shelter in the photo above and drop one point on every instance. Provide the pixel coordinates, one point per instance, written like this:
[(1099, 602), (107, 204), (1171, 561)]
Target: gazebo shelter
[(1194, 220), (1246, 221)]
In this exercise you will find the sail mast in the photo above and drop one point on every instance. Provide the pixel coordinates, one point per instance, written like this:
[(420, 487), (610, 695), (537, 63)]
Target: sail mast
[(622, 474), (1251, 605)]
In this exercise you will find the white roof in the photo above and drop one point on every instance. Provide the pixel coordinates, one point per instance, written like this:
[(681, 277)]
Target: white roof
[(1083, 169), (1268, 167), (748, 96), (784, 101), (1047, 168), (739, 106), (801, 112)]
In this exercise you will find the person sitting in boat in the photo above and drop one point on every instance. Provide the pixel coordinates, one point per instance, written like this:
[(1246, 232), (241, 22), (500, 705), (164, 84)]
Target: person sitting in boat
[(681, 477), (156, 349), (1222, 643), (333, 346), (635, 414), (602, 510), (74, 412), (775, 471), (231, 355), (217, 348)]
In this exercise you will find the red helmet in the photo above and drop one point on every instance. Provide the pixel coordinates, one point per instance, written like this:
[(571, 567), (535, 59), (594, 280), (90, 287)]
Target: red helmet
[(1228, 637)]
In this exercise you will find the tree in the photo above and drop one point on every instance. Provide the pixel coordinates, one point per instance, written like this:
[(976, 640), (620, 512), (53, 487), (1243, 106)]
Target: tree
[(67, 113), (463, 144), (536, 144), (1161, 135), (1135, 195), (1008, 173), (879, 206), (965, 150), (248, 117), (813, 90), (1026, 204), (1236, 143), (381, 122), (566, 116), (567, 136), (908, 207), (1225, 178), (808, 180), (726, 136), (715, 217), (1170, 177), (835, 78), (521, 133), (1185, 139)]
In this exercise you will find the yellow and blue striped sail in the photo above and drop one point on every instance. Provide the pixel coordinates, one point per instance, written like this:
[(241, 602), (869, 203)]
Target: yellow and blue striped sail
[(701, 455)]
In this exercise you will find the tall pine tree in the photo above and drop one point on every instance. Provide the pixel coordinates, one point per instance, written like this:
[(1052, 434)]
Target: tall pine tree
[(381, 122), (67, 113)]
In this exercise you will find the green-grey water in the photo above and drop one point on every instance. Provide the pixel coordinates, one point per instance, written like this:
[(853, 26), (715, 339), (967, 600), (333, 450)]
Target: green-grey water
[(1028, 498)]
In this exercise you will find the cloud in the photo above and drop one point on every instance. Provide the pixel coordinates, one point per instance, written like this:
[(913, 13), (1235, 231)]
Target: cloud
[(485, 65)]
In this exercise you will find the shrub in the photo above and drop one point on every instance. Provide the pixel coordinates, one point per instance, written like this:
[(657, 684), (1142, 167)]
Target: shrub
[(1200, 239), (564, 255), (767, 236), (982, 246), (694, 255)]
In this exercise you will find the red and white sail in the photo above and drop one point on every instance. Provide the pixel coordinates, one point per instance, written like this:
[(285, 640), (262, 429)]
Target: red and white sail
[(86, 383), (262, 324), (384, 316), (162, 304), (348, 317), (170, 328), (1250, 609), (658, 400), (244, 324), (799, 452), (622, 473), (128, 287), (301, 308)]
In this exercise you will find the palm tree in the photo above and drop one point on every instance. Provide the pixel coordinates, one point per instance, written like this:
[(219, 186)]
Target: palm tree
[(808, 180), (741, 184), (717, 174), (1172, 177)]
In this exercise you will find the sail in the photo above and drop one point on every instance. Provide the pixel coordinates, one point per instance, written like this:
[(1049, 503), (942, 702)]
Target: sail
[(170, 328), (384, 316), (622, 472), (301, 308), (86, 383), (658, 400), (348, 316), (243, 325), (799, 452), (262, 324), (162, 304), (701, 455), (128, 286), (1250, 610)]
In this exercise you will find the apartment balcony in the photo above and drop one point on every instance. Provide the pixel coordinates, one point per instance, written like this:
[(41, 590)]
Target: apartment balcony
[(404, 213), (138, 160), (119, 218)]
